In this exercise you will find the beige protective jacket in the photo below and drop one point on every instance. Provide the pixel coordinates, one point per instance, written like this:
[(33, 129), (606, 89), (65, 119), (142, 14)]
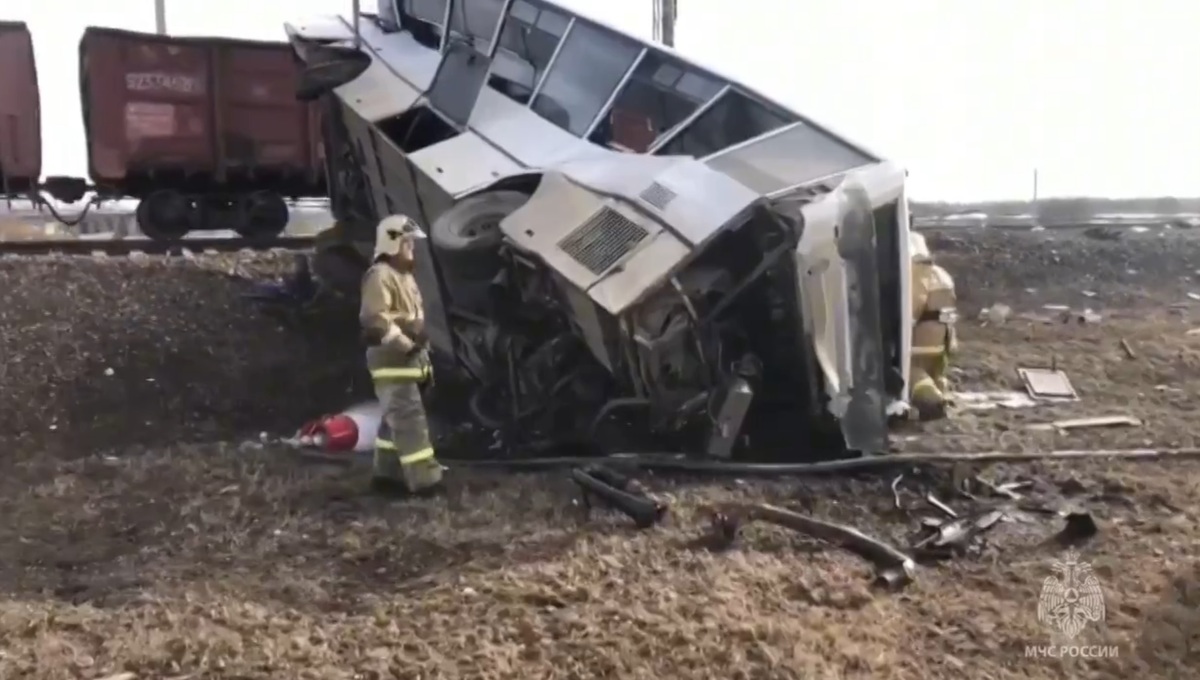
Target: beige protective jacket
[(932, 293), (391, 314)]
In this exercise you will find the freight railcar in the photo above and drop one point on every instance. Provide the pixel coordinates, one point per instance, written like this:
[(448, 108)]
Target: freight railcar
[(205, 132), (20, 112)]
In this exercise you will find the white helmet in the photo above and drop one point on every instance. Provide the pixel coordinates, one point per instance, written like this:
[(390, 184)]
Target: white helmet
[(392, 231), (918, 250)]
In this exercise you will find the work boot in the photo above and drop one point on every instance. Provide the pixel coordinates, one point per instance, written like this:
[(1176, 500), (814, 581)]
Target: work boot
[(423, 477), (929, 401), (398, 489), (388, 487)]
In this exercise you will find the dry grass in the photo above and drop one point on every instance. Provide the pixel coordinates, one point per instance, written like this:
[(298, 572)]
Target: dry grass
[(220, 560)]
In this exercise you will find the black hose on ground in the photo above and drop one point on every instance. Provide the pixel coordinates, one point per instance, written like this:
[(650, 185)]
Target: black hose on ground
[(651, 462), (680, 463)]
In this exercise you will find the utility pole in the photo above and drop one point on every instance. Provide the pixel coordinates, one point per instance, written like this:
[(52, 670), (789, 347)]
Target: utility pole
[(160, 17), (1035, 208), (664, 22)]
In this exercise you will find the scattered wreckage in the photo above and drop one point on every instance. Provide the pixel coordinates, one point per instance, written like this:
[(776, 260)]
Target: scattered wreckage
[(626, 249)]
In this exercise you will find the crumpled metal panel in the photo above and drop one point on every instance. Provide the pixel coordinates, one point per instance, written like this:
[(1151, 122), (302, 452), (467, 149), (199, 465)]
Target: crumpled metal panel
[(378, 93), (1047, 383), (644, 272), (559, 208), (402, 54), (864, 421), (443, 164), (556, 209), (702, 200), (603, 240)]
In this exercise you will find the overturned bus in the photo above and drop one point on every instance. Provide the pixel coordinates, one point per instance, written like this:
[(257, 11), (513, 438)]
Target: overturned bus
[(621, 242)]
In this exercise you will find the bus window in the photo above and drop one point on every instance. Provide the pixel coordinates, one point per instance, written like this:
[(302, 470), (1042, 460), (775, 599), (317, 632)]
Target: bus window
[(429, 11), (475, 20), (387, 17), (662, 92), (590, 65), (527, 43), (423, 19), (733, 119), (788, 158)]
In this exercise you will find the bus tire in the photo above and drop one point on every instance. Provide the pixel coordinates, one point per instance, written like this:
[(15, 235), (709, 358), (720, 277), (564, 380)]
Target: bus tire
[(467, 237)]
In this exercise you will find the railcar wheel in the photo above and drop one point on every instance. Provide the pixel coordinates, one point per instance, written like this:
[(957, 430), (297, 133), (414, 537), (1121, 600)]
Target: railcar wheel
[(262, 215), (165, 215)]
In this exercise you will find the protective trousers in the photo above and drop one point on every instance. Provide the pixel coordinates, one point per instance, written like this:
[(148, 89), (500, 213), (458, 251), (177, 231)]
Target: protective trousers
[(403, 453), (933, 342)]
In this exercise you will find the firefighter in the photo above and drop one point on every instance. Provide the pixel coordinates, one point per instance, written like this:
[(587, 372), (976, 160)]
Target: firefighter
[(934, 337), (393, 324)]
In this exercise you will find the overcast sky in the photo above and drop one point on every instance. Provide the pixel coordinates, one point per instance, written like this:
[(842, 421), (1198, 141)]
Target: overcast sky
[(971, 95)]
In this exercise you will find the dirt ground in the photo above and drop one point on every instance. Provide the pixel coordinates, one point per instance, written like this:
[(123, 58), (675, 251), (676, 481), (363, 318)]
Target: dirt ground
[(223, 558), (102, 351)]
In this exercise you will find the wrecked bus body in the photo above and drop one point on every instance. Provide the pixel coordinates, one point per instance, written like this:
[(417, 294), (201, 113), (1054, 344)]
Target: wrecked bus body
[(620, 240)]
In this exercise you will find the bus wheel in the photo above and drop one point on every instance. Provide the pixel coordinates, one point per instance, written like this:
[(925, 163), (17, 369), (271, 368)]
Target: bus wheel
[(467, 236), (165, 215)]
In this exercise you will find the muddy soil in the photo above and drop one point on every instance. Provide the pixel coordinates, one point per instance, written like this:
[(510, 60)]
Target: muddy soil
[(220, 559), (104, 351)]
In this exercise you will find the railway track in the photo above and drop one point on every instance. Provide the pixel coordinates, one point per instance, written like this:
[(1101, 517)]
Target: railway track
[(128, 246)]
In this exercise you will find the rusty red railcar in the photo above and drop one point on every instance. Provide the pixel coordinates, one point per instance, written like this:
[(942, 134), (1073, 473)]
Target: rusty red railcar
[(206, 132), (20, 112)]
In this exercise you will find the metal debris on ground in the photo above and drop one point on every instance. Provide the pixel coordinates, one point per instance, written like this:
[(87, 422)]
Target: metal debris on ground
[(894, 568), (995, 315), (1128, 349), (1008, 489), (986, 401), (937, 503), (620, 493), (1083, 423), (1082, 316), (1079, 524), (955, 536), (1051, 384)]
